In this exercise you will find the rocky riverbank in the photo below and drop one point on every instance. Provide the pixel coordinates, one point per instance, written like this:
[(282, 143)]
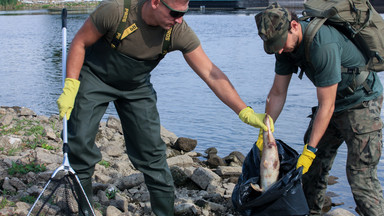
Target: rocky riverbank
[(31, 149)]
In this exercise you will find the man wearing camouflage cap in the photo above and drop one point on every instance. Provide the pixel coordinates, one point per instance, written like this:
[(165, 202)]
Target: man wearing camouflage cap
[(341, 116)]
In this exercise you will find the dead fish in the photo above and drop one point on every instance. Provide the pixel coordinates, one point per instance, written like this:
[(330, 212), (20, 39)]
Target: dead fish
[(269, 163)]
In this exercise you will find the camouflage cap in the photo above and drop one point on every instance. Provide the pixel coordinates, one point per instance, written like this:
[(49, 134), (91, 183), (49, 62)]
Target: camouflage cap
[(273, 24)]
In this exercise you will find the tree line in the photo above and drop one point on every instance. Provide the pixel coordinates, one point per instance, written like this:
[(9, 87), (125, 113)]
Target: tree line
[(8, 2)]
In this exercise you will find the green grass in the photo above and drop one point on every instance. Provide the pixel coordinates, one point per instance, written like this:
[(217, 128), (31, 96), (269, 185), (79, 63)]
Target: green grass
[(35, 130), (4, 203), (28, 128), (104, 163), (24, 169), (12, 151), (28, 199), (47, 147), (111, 193)]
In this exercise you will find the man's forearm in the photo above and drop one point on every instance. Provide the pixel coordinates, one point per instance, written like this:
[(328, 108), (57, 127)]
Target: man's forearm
[(320, 124), (274, 105)]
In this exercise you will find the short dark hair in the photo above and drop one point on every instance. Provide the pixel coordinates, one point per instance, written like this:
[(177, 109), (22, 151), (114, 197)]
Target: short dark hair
[(293, 17)]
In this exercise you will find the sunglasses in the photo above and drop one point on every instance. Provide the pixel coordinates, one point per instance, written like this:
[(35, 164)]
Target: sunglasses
[(174, 13)]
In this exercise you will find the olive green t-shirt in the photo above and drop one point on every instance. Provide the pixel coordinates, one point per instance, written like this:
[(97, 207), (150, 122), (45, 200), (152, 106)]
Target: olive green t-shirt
[(146, 42), (329, 51)]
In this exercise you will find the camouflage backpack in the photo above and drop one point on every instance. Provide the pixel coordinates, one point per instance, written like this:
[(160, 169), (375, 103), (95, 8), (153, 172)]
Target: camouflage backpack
[(357, 19)]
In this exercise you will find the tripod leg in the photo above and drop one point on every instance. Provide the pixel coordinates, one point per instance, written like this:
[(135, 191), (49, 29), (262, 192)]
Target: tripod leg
[(38, 198)]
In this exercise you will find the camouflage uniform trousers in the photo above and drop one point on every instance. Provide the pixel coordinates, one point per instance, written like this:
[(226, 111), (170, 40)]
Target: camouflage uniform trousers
[(361, 129)]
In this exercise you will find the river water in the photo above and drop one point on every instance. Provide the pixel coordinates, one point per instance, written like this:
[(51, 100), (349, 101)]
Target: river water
[(30, 71)]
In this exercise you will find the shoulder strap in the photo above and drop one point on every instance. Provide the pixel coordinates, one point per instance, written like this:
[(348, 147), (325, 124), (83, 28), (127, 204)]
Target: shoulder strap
[(122, 31), (166, 43), (309, 33)]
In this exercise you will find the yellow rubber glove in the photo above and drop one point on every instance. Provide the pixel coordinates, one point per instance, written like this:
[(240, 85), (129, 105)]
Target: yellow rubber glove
[(306, 158), (260, 141), (248, 116), (67, 98)]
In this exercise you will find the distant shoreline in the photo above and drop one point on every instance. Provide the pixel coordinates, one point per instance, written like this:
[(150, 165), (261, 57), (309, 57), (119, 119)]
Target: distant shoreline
[(58, 6), (92, 5)]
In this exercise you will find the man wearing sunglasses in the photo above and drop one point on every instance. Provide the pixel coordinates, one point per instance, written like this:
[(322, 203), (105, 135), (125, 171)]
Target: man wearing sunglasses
[(112, 56)]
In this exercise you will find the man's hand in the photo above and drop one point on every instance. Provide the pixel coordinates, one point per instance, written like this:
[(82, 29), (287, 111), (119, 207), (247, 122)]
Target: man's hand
[(248, 116), (306, 158), (67, 98)]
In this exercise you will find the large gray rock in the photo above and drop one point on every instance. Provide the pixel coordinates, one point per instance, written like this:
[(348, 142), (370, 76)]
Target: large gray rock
[(185, 144), (131, 181), (44, 156), (113, 211), (114, 123), (181, 160), (203, 177), (26, 112), (6, 120), (167, 136), (10, 142), (8, 186), (186, 209), (235, 158), (228, 171)]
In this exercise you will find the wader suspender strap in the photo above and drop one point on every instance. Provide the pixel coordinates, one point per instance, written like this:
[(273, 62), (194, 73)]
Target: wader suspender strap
[(166, 43), (122, 32)]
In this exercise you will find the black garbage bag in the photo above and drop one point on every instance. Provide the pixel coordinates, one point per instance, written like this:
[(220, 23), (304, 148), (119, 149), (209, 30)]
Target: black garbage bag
[(284, 198)]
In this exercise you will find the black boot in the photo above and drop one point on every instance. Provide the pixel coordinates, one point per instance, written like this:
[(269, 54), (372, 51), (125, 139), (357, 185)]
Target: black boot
[(84, 208), (163, 203)]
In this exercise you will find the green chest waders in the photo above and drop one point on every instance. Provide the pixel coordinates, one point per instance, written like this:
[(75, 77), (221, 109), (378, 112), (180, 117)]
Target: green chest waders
[(107, 75), (116, 69)]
